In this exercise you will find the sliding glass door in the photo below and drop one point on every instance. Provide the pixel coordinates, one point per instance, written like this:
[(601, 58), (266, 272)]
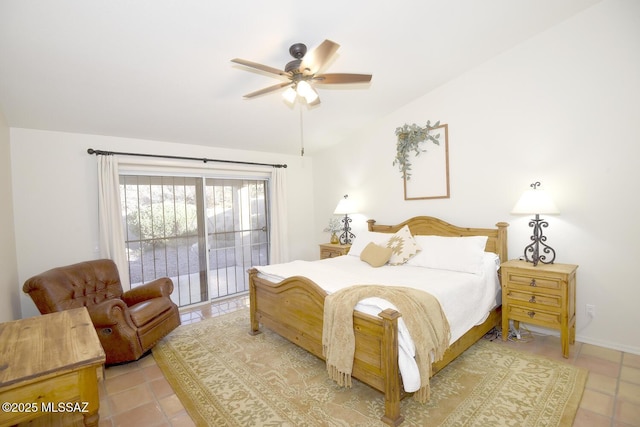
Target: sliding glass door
[(203, 233), (237, 234)]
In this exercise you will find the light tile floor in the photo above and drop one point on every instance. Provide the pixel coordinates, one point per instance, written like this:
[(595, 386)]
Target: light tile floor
[(137, 394)]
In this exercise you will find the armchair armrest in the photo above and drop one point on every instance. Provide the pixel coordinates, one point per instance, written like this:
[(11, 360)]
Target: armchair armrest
[(162, 287), (109, 313)]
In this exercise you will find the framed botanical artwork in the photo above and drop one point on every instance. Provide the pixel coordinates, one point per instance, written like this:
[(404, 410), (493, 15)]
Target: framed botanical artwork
[(429, 178)]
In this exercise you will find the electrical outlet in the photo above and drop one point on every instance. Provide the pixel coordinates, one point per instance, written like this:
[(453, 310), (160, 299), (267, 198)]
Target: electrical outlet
[(590, 309)]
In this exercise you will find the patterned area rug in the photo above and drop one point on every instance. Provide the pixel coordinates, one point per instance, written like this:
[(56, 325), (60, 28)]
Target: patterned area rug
[(226, 377)]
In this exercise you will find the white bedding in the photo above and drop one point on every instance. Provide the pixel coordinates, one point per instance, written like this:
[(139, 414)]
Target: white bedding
[(466, 298)]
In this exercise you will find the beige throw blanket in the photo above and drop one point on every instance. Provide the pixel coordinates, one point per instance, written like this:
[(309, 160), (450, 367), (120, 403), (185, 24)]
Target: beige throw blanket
[(422, 314)]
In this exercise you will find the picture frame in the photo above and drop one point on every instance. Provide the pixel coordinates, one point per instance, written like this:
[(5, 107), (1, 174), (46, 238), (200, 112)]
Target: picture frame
[(430, 169)]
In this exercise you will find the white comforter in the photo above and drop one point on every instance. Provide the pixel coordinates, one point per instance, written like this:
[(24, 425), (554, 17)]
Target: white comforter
[(466, 298)]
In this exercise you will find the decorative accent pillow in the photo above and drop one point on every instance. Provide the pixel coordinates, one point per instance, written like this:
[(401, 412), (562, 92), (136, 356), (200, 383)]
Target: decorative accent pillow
[(366, 237), (375, 255), (403, 246), (462, 254)]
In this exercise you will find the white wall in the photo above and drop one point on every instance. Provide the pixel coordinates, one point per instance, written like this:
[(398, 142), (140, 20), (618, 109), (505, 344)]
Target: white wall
[(561, 108), (55, 199), (10, 302)]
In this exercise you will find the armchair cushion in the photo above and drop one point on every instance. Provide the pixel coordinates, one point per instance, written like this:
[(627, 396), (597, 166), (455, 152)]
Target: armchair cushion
[(144, 312)]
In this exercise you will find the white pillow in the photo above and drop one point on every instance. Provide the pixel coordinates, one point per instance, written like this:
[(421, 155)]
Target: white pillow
[(403, 245), (364, 238), (462, 254)]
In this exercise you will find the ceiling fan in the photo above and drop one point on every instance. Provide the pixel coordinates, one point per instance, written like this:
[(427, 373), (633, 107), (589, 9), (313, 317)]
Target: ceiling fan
[(301, 74)]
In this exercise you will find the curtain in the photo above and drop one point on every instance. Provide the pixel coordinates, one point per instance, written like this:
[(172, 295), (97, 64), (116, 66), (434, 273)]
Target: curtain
[(112, 243), (279, 235)]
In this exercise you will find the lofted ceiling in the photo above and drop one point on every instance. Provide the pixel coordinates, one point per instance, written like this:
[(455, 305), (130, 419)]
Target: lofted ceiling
[(161, 69)]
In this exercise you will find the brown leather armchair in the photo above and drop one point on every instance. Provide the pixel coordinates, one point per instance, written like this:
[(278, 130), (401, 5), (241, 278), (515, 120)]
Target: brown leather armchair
[(128, 323)]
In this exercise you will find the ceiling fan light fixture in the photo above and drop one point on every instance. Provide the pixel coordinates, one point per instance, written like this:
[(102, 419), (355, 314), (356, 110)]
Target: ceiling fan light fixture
[(290, 95), (305, 90), (312, 97)]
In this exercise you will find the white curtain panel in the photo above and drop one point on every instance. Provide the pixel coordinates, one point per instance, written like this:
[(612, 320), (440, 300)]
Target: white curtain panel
[(112, 243), (279, 234)]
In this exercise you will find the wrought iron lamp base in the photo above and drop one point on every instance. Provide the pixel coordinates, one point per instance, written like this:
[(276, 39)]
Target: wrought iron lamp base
[(537, 240), (347, 235)]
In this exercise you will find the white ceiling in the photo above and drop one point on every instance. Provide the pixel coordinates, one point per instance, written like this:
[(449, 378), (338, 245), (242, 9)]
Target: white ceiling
[(161, 70)]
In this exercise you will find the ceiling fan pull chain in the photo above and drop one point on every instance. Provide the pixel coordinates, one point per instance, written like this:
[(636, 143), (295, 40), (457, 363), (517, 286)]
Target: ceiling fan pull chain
[(301, 134)]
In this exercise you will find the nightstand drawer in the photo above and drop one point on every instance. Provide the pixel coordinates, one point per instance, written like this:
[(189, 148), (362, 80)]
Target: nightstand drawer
[(513, 278), (326, 253), (531, 315), (329, 250), (535, 299)]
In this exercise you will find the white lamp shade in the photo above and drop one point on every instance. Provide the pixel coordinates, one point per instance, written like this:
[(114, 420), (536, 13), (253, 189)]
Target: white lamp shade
[(535, 202), (345, 206)]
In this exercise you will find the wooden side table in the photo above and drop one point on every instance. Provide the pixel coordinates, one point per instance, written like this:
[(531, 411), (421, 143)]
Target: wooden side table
[(544, 295), (330, 250), (48, 364)]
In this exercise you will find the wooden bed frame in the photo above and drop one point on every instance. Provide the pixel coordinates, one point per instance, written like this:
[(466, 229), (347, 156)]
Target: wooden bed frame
[(294, 309)]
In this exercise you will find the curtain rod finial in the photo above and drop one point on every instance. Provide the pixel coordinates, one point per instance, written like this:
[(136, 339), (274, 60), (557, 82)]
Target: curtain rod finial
[(91, 151)]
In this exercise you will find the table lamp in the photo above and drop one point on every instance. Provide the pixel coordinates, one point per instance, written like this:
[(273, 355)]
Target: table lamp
[(345, 207), (537, 201)]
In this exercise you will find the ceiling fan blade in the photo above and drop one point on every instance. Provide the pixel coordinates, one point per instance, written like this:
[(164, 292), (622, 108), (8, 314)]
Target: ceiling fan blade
[(261, 67), (337, 78), (268, 89), (314, 60)]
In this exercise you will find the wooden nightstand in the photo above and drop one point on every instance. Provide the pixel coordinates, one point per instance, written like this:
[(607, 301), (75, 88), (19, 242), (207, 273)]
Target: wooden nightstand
[(544, 295), (329, 250)]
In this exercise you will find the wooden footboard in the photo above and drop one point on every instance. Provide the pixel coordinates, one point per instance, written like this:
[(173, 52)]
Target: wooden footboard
[(294, 309)]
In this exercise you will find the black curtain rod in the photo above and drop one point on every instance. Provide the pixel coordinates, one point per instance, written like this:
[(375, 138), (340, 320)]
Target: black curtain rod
[(200, 159)]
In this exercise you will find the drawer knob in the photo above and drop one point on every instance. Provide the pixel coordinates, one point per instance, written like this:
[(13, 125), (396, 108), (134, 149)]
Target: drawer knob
[(533, 282), (531, 314), (532, 299)]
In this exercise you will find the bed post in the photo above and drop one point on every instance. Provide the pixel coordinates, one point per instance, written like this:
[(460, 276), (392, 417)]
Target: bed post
[(370, 224), (255, 327), (501, 245), (392, 385)]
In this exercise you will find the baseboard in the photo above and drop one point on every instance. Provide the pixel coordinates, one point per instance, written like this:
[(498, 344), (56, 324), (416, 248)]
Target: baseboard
[(586, 340), (610, 345)]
